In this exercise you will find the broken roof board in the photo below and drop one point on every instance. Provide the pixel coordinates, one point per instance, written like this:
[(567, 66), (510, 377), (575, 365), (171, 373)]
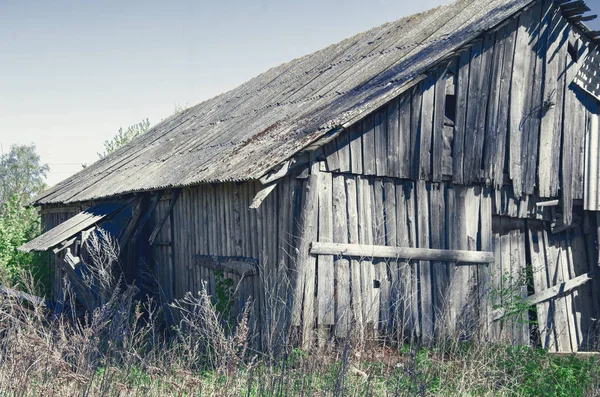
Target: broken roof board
[(73, 226), (242, 134)]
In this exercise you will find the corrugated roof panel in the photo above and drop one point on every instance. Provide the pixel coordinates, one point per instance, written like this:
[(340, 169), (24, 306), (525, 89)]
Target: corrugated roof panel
[(245, 132), (72, 226)]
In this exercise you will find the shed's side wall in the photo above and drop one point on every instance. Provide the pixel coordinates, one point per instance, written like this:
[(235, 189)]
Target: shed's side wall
[(216, 220), (505, 110)]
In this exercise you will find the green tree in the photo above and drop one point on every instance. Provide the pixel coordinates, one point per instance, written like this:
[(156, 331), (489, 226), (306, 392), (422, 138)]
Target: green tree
[(22, 174), (19, 224), (22, 177), (124, 137)]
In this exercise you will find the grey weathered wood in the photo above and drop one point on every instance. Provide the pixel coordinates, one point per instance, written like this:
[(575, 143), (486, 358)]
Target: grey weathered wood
[(344, 152), (278, 173), (353, 238), (394, 148), (356, 154), (333, 161), (364, 251), (536, 107), (439, 270), (381, 142), (427, 111), (174, 196), (549, 293), (240, 266), (552, 115), (520, 100), (404, 140), (368, 146), (325, 277), (415, 130), (491, 130), (475, 106), (343, 313), (365, 220), (262, 195), (504, 104), (462, 94), (438, 127)]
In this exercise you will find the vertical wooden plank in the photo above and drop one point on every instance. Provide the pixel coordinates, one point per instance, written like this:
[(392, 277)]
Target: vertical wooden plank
[(342, 266), (484, 100), (393, 139), (522, 262), (332, 159), (538, 41), (559, 321), (570, 327), (413, 233), (381, 142), (554, 81), (438, 126), (427, 127), (475, 106), (425, 282), (381, 274), (343, 145), (368, 146), (403, 313), (404, 140), (415, 130), (472, 212), (325, 277), (366, 237), (356, 160), (566, 171), (576, 309), (540, 278), (491, 130), (484, 270), (389, 289), (438, 269), (520, 99), (496, 276), (376, 222), (504, 105), (355, 136), (303, 304), (462, 95), (353, 238)]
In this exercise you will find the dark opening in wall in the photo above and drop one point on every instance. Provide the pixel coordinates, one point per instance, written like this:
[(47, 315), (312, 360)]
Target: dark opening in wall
[(573, 49), (450, 109)]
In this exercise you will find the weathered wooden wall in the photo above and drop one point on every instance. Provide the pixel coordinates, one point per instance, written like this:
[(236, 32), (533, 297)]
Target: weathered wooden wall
[(53, 216), (414, 297), (216, 220), (504, 111)]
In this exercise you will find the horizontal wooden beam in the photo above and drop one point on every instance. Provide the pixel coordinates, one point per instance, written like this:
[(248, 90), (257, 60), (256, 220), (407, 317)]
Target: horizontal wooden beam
[(240, 266), (550, 203), (549, 293), (379, 251)]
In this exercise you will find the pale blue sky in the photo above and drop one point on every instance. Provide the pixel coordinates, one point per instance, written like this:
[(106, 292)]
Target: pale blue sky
[(73, 72)]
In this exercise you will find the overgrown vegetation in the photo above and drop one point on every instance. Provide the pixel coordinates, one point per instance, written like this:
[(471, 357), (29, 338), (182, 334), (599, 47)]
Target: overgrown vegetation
[(21, 178), (124, 348)]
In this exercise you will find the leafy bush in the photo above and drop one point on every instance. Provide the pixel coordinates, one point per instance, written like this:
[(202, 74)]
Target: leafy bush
[(18, 225)]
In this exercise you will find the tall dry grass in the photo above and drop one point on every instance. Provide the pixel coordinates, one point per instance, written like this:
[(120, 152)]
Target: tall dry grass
[(124, 348)]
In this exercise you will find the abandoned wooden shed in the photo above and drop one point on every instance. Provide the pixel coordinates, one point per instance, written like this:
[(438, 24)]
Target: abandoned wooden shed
[(435, 176)]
